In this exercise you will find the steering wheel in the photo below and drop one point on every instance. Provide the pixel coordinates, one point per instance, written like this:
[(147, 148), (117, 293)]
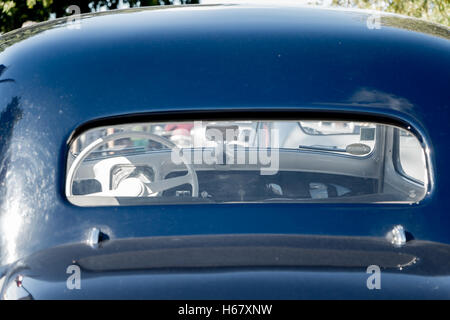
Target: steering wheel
[(154, 187)]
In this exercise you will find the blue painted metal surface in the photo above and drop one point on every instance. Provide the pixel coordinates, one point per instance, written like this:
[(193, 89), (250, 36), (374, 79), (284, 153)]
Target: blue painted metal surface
[(210, 58)]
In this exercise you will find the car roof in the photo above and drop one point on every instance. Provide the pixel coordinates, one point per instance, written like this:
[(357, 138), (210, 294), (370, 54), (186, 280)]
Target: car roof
[(261, 56)]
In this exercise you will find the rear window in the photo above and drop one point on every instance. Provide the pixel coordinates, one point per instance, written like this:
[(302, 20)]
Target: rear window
[(245, 161)]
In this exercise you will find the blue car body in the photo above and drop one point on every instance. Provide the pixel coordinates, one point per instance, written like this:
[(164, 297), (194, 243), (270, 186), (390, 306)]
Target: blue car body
[(216, 62)]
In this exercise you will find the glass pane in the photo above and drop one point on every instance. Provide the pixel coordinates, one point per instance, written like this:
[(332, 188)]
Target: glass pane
[(411, 156), (243, 161)]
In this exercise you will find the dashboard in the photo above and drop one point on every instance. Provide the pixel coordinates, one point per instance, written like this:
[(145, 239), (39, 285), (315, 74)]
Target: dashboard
[(225, 186)]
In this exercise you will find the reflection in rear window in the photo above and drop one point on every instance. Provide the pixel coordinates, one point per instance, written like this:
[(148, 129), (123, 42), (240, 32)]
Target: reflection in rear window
[(245, 161)]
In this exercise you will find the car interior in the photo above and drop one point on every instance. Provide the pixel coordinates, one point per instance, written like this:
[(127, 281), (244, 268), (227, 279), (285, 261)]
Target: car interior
[(246, 161)]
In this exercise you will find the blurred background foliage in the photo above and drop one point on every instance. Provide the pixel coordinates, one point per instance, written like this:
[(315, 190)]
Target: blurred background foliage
[(437, 11), (17, 13), (14, 13)]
